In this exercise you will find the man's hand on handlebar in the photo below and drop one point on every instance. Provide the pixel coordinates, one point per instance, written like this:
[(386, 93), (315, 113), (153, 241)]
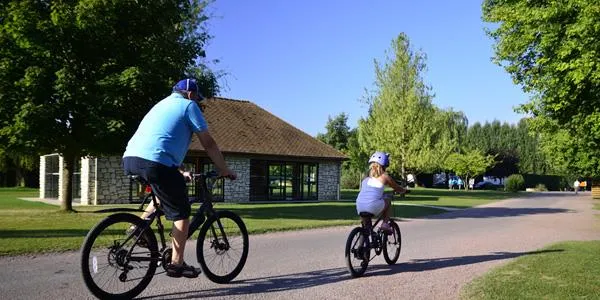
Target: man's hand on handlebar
[(227, 173)]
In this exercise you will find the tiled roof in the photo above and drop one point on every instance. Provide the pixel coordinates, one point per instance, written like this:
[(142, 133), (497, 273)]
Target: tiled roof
[(243, 127)]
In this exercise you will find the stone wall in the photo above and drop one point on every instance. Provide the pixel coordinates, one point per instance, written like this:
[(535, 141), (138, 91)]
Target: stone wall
[(103, 181), (329, 181), (112, 186), (238, 190)]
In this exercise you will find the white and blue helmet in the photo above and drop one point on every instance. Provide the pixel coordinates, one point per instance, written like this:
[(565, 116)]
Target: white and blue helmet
[(381, 158)]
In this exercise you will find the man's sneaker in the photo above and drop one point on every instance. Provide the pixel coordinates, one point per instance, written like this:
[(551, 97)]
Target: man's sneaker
[(182, 270), (133, 230), (386, 228)]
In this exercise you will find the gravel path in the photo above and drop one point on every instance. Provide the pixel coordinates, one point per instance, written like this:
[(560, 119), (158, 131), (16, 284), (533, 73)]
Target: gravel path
[(439, 255)]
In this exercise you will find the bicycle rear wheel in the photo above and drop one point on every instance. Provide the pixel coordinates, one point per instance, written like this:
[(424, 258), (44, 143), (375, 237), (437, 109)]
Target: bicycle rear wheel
[(109, 272), (222, 250), (392, 244), (357, 252)]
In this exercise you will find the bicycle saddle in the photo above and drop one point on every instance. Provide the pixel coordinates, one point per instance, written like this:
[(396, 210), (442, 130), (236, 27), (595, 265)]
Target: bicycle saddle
[(366, 214)]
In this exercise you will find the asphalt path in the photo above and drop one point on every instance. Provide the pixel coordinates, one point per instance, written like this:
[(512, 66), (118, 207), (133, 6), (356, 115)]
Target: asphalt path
[(440, 254)]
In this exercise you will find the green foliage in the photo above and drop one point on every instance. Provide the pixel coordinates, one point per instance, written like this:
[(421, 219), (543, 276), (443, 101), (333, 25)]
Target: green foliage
[(76, 77), (551, 182), (340, 136), (351, 178), (470, 164), (551, 49), (337, 133), (541, 187), (515, 147), (514, 183), (358, 157), (402, 119)]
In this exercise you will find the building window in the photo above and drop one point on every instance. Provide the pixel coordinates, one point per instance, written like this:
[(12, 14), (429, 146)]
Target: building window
[(76, 185), (51, 175), (270, 180), (218, 190), (201, 166), (309, 182)]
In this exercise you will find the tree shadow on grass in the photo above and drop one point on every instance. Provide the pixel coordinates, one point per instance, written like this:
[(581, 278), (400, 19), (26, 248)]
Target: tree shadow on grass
[(49, 233), (297, 281)]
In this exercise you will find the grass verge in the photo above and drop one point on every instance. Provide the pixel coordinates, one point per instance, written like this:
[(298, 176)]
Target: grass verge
[(566, 270)]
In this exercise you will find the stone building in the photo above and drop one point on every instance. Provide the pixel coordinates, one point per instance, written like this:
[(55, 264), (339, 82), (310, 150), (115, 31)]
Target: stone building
[(274, 162)]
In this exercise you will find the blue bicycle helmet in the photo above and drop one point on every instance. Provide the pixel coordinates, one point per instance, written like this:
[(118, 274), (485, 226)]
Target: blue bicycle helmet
[(381, 158)]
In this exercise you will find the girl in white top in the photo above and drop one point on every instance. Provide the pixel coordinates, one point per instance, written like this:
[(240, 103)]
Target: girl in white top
[(370, 198)]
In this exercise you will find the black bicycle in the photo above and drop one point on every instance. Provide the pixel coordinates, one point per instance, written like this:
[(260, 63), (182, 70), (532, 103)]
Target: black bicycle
[(370, 237), (120, 255)]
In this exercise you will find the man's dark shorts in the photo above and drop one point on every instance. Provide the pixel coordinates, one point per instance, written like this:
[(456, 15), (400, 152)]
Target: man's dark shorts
[(167, 183)]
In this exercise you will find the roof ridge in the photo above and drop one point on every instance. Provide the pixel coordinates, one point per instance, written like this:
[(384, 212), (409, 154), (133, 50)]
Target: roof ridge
[(229, 99)]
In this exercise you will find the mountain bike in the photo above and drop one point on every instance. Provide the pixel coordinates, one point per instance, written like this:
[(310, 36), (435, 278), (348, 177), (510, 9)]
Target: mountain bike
[(120, 255), (369, 237)]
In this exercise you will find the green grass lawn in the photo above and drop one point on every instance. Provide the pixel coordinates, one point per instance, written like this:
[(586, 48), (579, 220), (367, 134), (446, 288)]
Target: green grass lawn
[(34, 227), (568, 270)]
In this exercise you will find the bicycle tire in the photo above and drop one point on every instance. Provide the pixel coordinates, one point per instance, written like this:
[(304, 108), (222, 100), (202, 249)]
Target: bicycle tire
[(115, 257), (353, 250), (238, 236), (395, 240)]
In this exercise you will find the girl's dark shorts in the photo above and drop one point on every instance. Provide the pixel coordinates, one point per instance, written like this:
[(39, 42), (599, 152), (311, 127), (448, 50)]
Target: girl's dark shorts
[(167, 183)]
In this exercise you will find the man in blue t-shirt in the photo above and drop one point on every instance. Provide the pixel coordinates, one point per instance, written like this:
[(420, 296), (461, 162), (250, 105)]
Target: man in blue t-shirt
[(156, 151)]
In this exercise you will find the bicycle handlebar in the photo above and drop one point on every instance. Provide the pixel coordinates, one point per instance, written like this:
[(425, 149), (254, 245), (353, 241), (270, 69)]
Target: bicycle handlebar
[(210, 175)]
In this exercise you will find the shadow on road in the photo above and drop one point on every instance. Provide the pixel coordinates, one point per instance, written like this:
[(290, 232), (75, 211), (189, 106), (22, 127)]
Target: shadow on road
[(322, 277), (265, 284), (419, 265), (494, 212)]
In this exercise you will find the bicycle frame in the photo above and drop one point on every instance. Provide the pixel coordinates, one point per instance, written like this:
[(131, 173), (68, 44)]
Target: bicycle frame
[(368, 232), (205, 211)]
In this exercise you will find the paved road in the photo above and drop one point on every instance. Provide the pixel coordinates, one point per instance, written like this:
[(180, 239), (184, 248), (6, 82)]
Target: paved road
[(439, 255)]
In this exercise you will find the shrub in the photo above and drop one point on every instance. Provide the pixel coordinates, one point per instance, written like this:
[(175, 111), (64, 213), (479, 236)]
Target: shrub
[(541, 187), (350, 179), (514, 183)]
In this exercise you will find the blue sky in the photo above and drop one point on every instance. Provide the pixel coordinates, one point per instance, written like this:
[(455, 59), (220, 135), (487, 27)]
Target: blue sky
[(306, 60)]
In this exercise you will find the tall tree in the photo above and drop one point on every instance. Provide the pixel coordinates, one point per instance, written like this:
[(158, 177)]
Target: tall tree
[(337, 132), (76, 77), (401, 111), (551, 49)]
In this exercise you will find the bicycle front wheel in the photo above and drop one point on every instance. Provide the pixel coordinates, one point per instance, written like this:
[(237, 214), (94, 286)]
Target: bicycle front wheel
[(222, 246), (113, 264), (357, 252), (392, 244)]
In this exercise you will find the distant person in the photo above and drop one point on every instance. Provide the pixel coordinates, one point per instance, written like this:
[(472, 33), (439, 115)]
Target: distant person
[(583, 185), (576, 186)]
